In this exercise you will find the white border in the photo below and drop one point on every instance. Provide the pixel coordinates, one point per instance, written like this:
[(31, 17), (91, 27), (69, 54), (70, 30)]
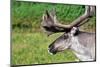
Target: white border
[(5, 34), (84, 2)]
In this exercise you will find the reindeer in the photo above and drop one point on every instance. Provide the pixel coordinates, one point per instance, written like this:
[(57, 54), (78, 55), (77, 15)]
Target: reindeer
[(80, 42)]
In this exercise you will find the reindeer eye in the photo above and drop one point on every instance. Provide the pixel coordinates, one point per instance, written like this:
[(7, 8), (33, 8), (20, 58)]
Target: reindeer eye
[(65, 36)]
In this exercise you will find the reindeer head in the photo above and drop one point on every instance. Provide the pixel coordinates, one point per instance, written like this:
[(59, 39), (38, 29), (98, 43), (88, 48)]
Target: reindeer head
[(51, 25), (63, 42)]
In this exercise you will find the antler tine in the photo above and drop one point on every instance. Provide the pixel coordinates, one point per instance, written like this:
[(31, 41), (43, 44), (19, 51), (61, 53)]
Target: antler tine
[(81, 18), (51, 25), (89, 12)]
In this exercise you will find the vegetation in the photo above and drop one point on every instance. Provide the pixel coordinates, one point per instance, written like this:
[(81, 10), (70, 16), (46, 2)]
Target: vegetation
[(33, 49), (29, 43)]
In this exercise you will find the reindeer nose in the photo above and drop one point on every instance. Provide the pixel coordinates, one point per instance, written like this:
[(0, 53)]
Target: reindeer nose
[(52, 50)]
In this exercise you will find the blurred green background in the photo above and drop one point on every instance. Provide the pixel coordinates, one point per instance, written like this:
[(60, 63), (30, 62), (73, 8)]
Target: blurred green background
[(29, 42)]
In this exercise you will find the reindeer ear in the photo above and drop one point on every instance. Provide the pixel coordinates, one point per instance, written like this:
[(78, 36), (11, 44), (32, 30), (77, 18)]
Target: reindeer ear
[(74, 31)]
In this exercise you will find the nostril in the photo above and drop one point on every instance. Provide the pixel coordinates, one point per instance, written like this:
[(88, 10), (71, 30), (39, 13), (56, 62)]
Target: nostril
[(50, 46), (51, 50)]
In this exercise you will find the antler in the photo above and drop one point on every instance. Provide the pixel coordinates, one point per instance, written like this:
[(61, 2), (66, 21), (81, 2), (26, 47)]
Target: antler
[(51, 25)]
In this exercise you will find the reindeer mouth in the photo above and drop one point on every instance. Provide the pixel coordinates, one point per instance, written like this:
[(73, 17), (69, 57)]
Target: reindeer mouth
[(52, 51)]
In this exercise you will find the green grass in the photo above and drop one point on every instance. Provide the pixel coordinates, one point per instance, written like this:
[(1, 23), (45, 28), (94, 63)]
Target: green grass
[(29, 14), (29, 43), (32, 48)]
